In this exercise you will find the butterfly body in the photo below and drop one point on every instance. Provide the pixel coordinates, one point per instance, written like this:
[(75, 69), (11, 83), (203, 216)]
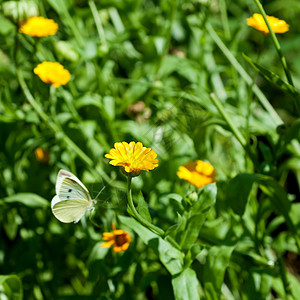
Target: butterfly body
[(72, 198)]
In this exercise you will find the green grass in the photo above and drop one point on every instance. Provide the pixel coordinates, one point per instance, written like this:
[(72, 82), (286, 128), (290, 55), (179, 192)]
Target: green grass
[(213, 89)]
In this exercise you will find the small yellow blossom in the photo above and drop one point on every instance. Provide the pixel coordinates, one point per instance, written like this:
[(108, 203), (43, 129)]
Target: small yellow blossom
[(119, 239), (198, 173), (39, 27), (278, 26), (133, 157), (41, 155), (52, 73)]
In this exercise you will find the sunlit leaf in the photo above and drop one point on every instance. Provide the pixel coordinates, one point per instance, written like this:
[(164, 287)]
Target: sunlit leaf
[(238, 190), (11, 286), (218, 258), (271, 77), (170, 257), (197, 215), (186, 285), (27, 199), (143, 208)]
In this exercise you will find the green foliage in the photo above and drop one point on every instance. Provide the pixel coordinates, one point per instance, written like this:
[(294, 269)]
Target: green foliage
[(186, 285), (190, 80), (11, 287)]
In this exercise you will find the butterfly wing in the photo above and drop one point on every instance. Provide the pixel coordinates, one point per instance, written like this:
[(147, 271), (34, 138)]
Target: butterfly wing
[(72, 199), (68, 187), (70, 210)]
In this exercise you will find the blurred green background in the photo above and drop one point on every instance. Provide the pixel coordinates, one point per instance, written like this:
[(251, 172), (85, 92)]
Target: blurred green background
[(144, 71)]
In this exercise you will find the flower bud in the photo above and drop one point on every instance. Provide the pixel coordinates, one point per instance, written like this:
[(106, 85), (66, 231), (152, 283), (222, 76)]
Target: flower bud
[(19, 11), (191, 198)]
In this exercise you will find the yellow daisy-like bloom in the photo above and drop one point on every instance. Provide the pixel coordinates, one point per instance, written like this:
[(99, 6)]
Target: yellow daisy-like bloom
[(41, 155), (198, 173), (39, 27), (133, 157), (52, 73), (278, 26), (119, 239)]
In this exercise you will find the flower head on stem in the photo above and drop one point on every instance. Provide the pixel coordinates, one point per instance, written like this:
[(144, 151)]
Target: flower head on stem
[(257, 21), (52, 73), (119, 239), (133, 157), (39, 27), (198, 173)]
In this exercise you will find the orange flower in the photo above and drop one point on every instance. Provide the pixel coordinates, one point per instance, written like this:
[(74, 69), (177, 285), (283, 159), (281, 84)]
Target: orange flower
[(52, 73), (119, 239), (39, 27), (198, 173), (41, 155), (278, 26), (133, 157)]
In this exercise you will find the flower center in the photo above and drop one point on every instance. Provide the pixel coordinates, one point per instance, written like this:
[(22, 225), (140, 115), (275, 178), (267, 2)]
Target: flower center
[(120, 239)]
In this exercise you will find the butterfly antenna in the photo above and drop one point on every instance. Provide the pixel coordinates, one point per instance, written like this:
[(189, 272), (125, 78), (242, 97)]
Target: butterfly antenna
[(100, 192)]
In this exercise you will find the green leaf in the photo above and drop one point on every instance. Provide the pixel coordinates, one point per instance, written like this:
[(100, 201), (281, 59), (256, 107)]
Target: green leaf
[(143, 208), (238, 191), (10, 223), (294, 284), (210, 291), (89, 100), (197, 215), (96, 260), (109, 107), (278, 198), (295, 214), (170, 257), (186, 285), (292, 132), (240, 187), (27, 199), (136, 91), (11, 286), (214, 269), (271, 77), (66, 50)]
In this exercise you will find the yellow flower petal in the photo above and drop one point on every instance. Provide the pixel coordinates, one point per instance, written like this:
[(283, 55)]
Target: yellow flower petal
[(108, 244), (257, 21), (119, 239), (39, 27), (199, 173), (52, 73), (133, 157)]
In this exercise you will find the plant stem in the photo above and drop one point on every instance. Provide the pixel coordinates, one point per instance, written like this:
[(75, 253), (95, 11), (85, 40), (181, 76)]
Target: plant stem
[(232, 126), (283, 273), (228, 120), (53, 101), (224, 18), (66, 139), (65, 15), (144, 222), (281, 57), (261, 97), (98, 23), (276, 43), (136, 215)]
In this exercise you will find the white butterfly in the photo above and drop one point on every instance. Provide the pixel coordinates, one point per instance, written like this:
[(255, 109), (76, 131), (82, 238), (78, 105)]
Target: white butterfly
[(72, 198)]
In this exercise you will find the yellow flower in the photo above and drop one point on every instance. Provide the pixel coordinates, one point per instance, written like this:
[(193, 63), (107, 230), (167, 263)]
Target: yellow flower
[(278, 26), (52, 73), (41, 155), (119, 239), (198, 173), (39, 27), (133, 157)]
